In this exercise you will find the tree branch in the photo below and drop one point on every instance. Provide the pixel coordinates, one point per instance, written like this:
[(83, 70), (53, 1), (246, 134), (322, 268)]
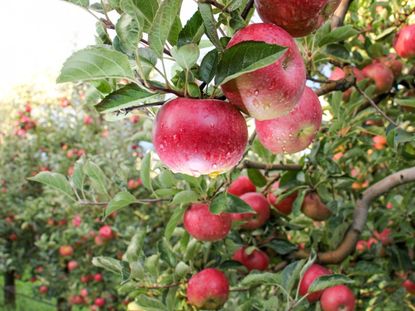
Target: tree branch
[(272, 167), (248, 8), (340, 14), (348, 245), (338, 85)]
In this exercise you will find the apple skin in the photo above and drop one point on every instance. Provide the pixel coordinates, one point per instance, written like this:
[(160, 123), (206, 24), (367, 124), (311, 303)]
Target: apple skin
[(314, 272), (66, 250), (409, 286), (272, 91), (338, 298), (381, 75), (72, 265), (197, 137), (260, 205), (298, 17), (98, 277), (208, 289), (293, 132), (313, 207), (205, 226), (257, 260), (285, 206), (338, 74), (43, 289), (106, 233), (99, 302), (241, 185), (392, 63), (404, 43)]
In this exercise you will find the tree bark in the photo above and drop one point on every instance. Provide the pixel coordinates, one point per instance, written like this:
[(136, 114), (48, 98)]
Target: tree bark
[(10, 289)]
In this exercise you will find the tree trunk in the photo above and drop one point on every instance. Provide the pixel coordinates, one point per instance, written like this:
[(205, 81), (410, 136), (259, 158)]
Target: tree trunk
[(62, 305), (10, 289)]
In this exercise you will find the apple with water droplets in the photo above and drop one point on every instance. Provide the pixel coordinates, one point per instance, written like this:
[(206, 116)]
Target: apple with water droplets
[(256, 260), (338, 298), (274, 90), (404, 43), (208, 289), (241, 185), (298, 17), (295, 131), (260, 205), (312, 273), (198, 137), (204, 225)]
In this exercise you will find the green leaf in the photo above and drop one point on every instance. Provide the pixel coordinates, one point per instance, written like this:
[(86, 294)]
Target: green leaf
[(126, 97), (163, 22), (209, 65), (150, 304), (128, 31), (185, 197), (193, 31), (97, 176), (261, 278), (147, 61), (228, 203), (251, 56), (166, 252), (337, 35), (82, 3), (94, 63), (145, 171), (327, 281), (143, 11), (175, 31), (210, 24), (406, 102), (186, 56), (135, 247), (56, 181), (174, 220), (120, 200), (78, 176), (291, 273), (108, 264), (298, 202), (282, 247), (256, 177)]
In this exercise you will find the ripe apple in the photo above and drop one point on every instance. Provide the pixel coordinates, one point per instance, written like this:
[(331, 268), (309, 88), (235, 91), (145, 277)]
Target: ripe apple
[(106, 233), (208, 289), (384, 236), (409, 286), (99, 302), (241, 185), (295, 131), (86, 278), (84, 292), (88, 120), (98, 277), (285, 206), (72, 265), (76, 300), (133, 184), (392, 63), (381, 75), (205, 226), (314, 272), (338, 74), (313, 207), (257, 260), (260, 205), (298, 17), (379, 142), (337, 298), (273, 91), (361, 246), (43, 289), (66, 250), (404, 43), (196, 137)]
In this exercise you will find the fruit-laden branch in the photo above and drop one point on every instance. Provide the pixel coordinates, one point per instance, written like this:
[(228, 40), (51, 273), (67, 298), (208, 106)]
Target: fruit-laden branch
[(272, 167), (340, 13), (348, 245)]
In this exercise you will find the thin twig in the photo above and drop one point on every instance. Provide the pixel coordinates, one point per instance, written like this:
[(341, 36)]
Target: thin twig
[(272, 167), (247, 9)]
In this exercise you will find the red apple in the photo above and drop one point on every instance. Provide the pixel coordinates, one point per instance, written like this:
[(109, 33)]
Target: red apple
[(241, 185), (361, 246), (338, 74), (298, 17), (208, 289), (205, 226), (86, 278), (384, 236), (409, 286), (98, 277), (313, 207), (260, 205), (338, 298), (72, 265), (76, 300), (106, 233), (43, 289), (404, 43), (273, 91), (195, 137), (84, 292), (257, 260), (66, 250), (99, 302), (134, 119), (381, 75), (285, 206), (314, 272), (88, 120), (392, 63), (295, 131)]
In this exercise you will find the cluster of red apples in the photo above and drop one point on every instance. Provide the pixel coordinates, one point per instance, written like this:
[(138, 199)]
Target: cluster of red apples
[(199, 136)]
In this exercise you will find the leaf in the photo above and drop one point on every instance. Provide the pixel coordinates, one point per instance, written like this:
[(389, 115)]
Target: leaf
[(78, 176), (261, 278), (185, 197), (291, 273), (150, 304), (97, 176), (166, 252), (128, 31), (81, 3), (120, 200), (135, 247), (174, 220), (298, 202), (327, 281), (256, 177), (143, 11), (175, 31), (228, 203), (108, 264), (251, 56), (193, 31), (126, 97), (163, 22), (209, 65), (145, 171), (56, 181), (94, 63), (210, 24), (186, 56), (406, 102), (147, 60), (337, 35), (282, 247)]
